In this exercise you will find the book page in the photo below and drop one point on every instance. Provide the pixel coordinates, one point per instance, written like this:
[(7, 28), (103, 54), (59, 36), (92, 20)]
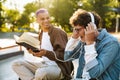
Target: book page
[(26, 37)]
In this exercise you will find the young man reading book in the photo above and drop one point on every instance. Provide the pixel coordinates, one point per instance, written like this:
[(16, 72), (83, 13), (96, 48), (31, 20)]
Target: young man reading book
[(52, 44)]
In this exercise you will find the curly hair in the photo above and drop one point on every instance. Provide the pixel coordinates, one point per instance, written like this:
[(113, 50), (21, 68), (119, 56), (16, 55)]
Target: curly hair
[(82, 17)]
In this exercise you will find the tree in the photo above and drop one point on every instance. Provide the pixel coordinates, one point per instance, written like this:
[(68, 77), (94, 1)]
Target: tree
[(25, 18), (12, 17), (31, 7), (61, 11), (115, 7), (104, 9), (2, 20)]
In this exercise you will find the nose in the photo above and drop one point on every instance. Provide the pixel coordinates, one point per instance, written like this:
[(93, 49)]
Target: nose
[(46, 20)]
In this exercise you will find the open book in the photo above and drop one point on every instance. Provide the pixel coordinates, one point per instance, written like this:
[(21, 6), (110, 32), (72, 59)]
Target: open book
[(28, 41)]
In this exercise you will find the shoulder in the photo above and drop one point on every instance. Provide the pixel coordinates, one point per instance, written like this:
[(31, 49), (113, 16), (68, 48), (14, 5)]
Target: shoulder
[(110, 39), (57, 30), (106, 37)]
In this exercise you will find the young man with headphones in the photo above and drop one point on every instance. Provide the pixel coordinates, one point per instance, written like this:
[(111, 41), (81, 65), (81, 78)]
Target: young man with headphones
[(98, 51)]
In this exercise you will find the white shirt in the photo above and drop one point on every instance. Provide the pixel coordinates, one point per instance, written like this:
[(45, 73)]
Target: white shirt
[(90, 54), (46, 44)]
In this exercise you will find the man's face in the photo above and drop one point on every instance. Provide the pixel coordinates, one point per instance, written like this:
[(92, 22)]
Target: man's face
[(43, 19), (79, 30)]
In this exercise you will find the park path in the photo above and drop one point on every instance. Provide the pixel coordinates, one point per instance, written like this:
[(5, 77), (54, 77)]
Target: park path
[(6, 72)]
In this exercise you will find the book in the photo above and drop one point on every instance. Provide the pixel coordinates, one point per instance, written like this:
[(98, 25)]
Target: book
[(28, 41)]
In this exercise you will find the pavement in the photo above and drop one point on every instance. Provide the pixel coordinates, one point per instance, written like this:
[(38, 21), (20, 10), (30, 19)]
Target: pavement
[(6, 72), (9, 52), (117, 35)]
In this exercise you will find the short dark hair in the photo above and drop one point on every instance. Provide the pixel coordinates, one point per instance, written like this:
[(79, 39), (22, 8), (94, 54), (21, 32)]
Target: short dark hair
[(41, 10), (82, 17)]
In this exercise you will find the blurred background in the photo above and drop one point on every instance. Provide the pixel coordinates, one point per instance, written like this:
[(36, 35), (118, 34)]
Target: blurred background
[(19, 15)]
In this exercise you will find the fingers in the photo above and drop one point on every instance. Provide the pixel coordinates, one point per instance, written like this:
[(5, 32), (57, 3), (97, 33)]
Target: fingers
[(42, 49), (41, 53), (30, 51), (90, 32), (91, 27)]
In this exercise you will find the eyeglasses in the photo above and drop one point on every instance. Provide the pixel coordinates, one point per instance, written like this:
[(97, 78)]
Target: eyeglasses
[(77, 29)]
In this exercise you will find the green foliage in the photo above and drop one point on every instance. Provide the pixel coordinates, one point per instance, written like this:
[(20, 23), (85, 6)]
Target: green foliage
[(31, 7), (63, 9), (60, 10), (103, 8), (27, 16), (1, 16), (12, 16), (23, 20)]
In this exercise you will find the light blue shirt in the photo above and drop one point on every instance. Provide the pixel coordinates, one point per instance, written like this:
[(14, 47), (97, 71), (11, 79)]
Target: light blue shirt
[(108, 59)]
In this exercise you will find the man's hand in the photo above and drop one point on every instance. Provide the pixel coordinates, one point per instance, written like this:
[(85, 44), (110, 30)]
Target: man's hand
[(37, 54), (90, 34), (75, 34)]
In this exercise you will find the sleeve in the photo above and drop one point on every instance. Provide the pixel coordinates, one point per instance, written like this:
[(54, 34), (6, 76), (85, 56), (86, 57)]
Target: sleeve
[(72, 50), (105, 59), (59, 40), (90, 55), (71, 44), (90, 59)]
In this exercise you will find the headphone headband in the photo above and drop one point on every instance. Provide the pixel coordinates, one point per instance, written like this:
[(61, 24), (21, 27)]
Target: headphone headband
[(92, 17)]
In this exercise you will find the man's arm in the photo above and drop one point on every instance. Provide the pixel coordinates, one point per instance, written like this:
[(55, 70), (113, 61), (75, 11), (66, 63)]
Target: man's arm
[(104, 60), (59, 40), (72, 49)]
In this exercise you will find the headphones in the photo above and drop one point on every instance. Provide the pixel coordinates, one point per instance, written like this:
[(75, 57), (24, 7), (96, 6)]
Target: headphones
[(92, 19)]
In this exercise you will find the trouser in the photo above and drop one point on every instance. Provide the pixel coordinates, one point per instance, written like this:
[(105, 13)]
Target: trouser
[(36, 71), (83, 79), (93, 79)]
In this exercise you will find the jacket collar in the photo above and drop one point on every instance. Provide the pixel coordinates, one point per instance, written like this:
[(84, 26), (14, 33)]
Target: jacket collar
[(50, 29), (102, 34), (41, 32)]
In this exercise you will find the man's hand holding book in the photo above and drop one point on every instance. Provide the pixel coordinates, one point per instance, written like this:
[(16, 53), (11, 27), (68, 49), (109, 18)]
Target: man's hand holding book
[(40, 53)]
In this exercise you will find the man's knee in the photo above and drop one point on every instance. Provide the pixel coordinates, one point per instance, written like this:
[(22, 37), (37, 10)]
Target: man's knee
[(40, 74), (16, 64)]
